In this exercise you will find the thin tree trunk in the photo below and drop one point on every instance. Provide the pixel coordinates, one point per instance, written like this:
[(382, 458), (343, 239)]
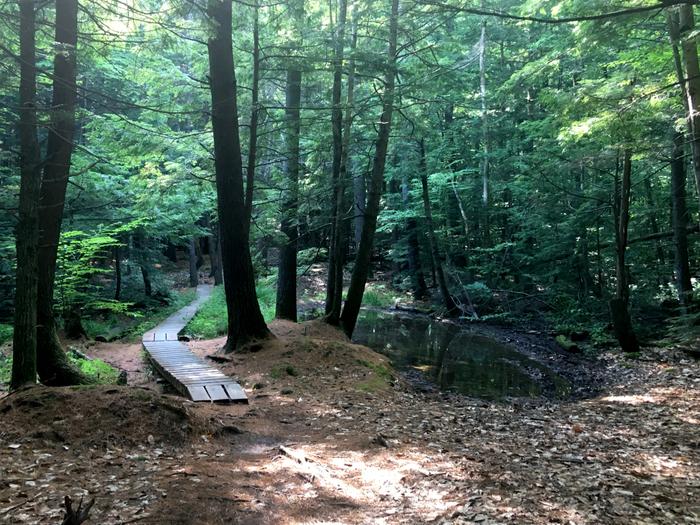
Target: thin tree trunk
[(449, 302), (117, 273), (53, 364), (420, 289), (680, 222), (194, 273), (334, 288), (619, 306), (692, 71), (254, 121), (24, 340), (286, 304), (485, 183), (245, 321), (360, 272), (215, 255)]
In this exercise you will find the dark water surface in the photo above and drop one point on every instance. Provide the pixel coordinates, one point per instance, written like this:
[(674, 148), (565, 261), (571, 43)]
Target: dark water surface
[(456, 358)]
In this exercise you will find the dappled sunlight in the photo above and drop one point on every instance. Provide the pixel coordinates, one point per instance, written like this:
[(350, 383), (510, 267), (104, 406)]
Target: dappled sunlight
[(654, 465)]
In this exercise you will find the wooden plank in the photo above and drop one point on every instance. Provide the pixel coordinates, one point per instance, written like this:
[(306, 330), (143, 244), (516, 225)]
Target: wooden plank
[(217, 393), (198, 393), (235, 392), (189, 374)]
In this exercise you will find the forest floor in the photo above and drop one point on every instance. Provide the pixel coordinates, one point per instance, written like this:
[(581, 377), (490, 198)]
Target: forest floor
[(331, 435)]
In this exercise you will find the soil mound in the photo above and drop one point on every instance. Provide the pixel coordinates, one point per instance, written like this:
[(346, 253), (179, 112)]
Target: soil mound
[(95, 416)]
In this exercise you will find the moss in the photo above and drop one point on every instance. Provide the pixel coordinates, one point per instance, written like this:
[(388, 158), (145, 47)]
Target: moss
[(281, 370)]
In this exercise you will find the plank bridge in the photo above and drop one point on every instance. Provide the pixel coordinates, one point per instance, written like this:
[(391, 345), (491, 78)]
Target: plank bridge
[(189, 374)]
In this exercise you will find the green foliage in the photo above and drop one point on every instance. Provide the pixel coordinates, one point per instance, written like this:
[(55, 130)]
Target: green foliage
[(5, 333), (96, 370), (378, 295), (211, 319), (5, 369)]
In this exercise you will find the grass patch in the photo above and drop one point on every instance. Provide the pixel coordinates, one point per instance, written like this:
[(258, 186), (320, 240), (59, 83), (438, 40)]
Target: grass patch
[(379, 380), (5, 333), (5, 369), (378, 295), (152, 317), (211, 319), (379, 369), (96, 370)]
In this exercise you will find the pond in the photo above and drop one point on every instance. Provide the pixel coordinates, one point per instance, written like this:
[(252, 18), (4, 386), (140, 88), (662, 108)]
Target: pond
[(457, 358)]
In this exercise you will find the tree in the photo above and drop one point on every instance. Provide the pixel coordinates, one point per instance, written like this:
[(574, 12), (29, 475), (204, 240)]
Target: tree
[(619, 305), (27, 233), (287, 269), (360, 271), (53, 364), (245, 321), (334, 288)]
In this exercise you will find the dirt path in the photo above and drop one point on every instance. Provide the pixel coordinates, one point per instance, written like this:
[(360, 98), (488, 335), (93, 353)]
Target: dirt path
[(329, 437)]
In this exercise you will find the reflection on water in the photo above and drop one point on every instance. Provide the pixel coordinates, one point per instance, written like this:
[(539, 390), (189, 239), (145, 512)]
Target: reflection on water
[(455, 357)]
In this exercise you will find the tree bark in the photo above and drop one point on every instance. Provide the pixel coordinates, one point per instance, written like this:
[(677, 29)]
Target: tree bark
[(53, 365), (117, 273), (215, 255), (692, 85), (680, 221), (485, 183), (448, 301), (254, 121), (286, 304), (194, 273), (334, 287), (420, 289), (360, 272), (619, 306), (245, 321), (24, 340)]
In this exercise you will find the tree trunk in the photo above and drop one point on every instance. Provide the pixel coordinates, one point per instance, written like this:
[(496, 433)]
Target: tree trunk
[(449, 302), (334, 288), (254, 121), (215, 255), (485, 183), (286, 305), (24, 340), (692, 85), (619, 306), (53, 365), (359, 189), (680, 221), (245, 321), (117, 273), (194, 273), (360, 272), (420, 289)]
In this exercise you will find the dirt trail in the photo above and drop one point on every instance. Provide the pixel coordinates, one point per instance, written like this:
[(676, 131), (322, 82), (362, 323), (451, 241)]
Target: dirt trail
[(331, 437)]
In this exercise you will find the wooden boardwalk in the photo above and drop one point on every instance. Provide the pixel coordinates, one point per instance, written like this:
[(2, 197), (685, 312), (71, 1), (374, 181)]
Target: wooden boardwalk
[(189, 374)]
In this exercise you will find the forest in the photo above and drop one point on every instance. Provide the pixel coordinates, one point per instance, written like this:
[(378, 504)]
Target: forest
[(355, 261)]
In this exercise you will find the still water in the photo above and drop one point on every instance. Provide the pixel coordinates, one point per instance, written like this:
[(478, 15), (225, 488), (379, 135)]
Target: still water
[(456, 358)]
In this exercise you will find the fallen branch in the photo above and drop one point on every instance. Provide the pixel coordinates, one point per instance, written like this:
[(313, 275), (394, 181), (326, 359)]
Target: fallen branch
[(79, 515)]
